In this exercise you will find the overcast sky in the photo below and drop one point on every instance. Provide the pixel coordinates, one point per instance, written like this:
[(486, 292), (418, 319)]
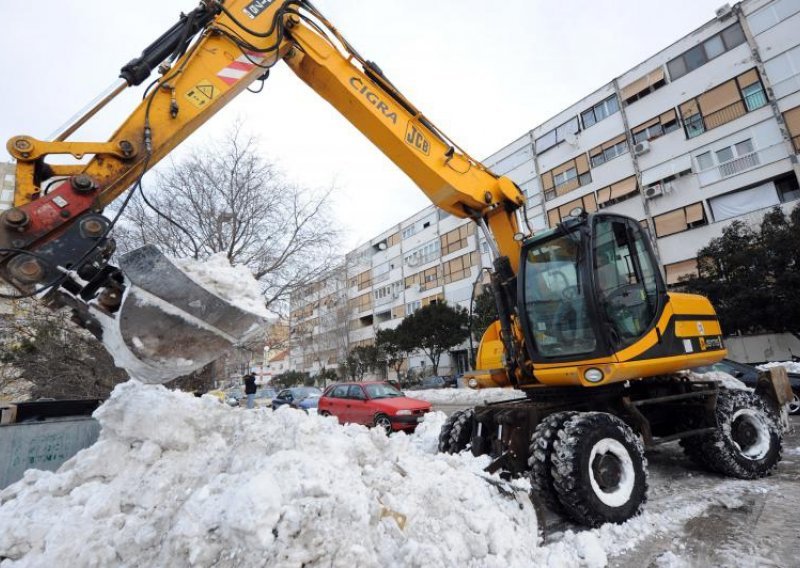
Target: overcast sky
[(485, 72)]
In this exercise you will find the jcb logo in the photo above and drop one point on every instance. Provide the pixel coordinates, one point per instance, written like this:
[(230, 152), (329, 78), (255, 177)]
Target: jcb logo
[(417, 140)]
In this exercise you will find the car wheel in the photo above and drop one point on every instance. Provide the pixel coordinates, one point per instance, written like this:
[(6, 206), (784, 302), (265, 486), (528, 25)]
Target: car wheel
[(324, 413), (793, 405), (599, 469), (382, 421)]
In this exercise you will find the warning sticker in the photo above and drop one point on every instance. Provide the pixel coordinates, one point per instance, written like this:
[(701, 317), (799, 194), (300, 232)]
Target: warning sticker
[(201, 94)]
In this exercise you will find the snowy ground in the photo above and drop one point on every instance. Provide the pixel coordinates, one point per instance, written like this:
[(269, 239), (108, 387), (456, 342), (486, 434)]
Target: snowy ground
[(178, 481)]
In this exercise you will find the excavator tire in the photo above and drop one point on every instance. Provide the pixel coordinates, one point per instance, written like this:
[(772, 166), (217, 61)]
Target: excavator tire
[(541, 451), (599, 469), (456, 432), (748, 439)]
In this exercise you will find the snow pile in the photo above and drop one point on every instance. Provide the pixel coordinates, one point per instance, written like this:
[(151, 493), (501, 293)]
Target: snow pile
[(726, 380), (180, 481), (465, 396), (791, 366), (234, 284)]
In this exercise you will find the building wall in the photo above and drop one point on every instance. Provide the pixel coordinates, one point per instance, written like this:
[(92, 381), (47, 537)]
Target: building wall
[(703, 133)]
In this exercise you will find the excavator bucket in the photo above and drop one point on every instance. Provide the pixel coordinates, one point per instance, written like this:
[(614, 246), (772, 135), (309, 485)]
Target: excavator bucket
[(169, 324)]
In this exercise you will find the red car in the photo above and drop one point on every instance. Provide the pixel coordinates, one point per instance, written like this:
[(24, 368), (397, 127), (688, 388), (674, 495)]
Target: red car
[(372, 404)]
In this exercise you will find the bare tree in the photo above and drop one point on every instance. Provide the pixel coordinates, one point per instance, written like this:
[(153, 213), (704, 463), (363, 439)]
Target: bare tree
[(225, 197)]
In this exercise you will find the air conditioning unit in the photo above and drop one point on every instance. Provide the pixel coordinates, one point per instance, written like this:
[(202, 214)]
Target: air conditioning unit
[(723, 12), (642, 147), (653, 191)]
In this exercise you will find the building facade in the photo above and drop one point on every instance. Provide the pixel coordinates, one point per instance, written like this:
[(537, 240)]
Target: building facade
[(430, 257), (705, 132)]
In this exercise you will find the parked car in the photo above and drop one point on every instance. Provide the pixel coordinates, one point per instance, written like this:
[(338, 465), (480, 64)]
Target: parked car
[(303, 398), (373, 404), (233, 397), (431, 383), (264, 396), (749, 376)]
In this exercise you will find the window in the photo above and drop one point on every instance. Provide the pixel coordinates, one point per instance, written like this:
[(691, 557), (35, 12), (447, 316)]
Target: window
[(788, 189), (339, 391), (615, 193), (364, 279), (656, 127), (459, 267), (754, 96), (608, 150), (678, 270), (409, 231), (722, 104), (567, 177), (701, 54), (680, 220), (601, 110), (587, 202), (412, 307), (792, 120), (557, 135), (394, 239), (456, 239), (643, 86), (627, 285), (725, 154), (556, 298), (741, 202), (705, 161), (423, 254)]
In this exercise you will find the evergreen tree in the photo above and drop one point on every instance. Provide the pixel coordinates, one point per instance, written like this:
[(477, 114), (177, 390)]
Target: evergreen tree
[(752, 276), (434, 329)]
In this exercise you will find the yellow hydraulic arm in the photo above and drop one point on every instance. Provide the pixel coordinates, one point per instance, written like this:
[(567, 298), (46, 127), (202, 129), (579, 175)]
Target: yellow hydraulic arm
[(211, 55)]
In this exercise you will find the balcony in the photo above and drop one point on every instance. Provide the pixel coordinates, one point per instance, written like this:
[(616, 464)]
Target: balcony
[(697, 124), (741, 164)]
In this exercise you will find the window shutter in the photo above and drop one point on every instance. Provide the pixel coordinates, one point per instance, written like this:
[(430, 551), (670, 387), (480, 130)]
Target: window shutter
[(668, 116), (694, 213), (689, 108), (747, 79), (670, 223), (719, 98), (792, 118), (603, 195), (582, 164), (553, 217), (677, 270), (623, 187)]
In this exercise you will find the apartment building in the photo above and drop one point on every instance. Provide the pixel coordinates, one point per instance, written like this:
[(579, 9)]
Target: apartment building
[(428, 258), (705, 132)]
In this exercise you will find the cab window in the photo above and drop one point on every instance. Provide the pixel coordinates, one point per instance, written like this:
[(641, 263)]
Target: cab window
[(626, 278), (556, 298)]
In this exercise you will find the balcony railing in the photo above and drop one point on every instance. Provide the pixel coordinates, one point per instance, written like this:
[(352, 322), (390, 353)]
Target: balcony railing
[(738, 165)]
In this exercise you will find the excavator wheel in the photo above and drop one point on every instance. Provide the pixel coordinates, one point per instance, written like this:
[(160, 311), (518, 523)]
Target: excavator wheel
[(747, 441), (456, 432), (541, 451), (599, 469)]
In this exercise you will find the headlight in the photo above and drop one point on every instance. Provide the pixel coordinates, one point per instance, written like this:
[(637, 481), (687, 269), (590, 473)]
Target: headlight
[(593, 375), (403, 413)]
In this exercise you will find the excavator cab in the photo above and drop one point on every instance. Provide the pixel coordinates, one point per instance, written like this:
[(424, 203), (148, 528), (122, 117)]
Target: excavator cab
[(595, 308)]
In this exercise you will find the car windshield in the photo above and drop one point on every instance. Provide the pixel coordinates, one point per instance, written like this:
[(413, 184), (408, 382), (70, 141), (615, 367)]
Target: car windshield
[(382, 391), (306, 392)]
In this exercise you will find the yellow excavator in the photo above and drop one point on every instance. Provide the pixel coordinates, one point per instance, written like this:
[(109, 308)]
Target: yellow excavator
[(586, 330)]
